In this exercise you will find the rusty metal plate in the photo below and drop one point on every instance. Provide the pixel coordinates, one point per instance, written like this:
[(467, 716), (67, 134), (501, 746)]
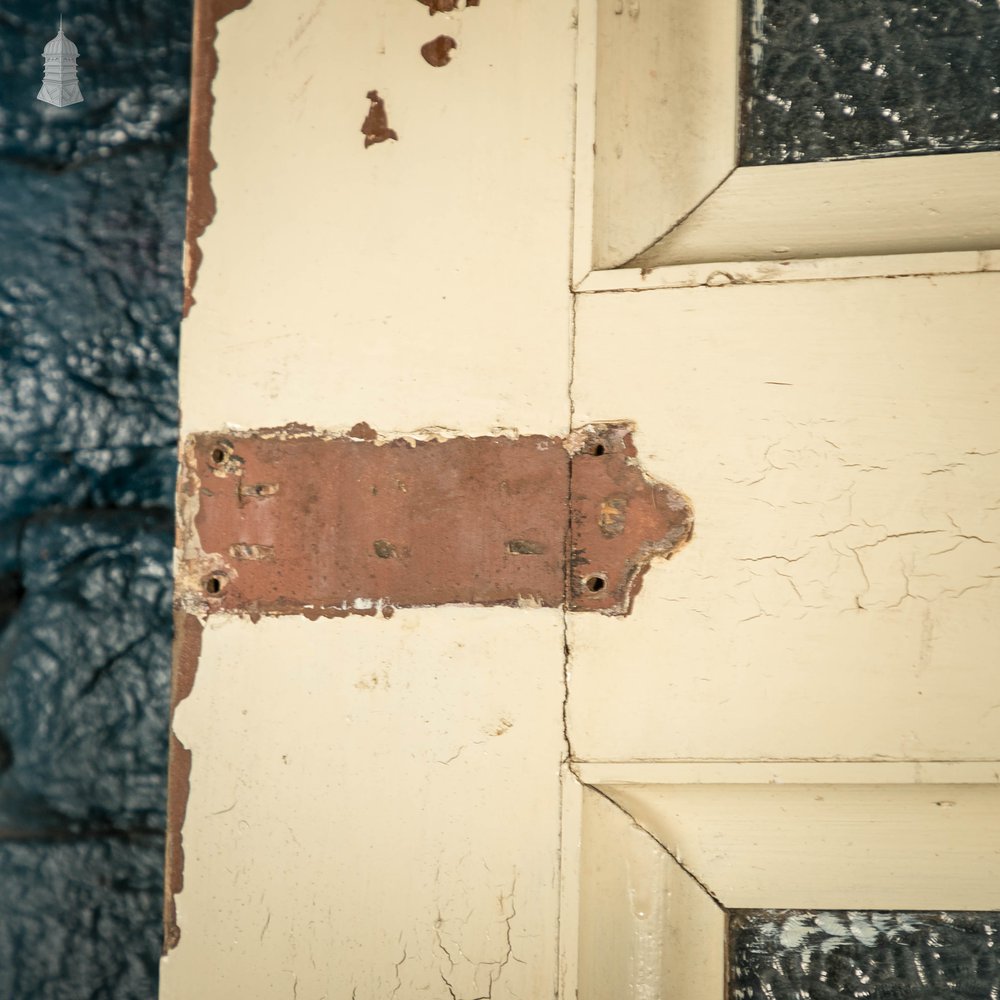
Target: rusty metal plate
[(290, 521)]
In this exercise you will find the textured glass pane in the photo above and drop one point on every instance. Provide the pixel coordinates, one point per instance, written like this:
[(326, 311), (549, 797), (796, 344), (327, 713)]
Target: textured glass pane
[(803, 955), (841, 79)]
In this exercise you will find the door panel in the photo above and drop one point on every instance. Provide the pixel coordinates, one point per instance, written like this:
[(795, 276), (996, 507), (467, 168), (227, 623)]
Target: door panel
[(663, 197), (840, 447)]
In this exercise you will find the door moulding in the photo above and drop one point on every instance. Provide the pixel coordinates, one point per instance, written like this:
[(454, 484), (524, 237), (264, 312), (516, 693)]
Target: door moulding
[(661, 852), (661, 200)]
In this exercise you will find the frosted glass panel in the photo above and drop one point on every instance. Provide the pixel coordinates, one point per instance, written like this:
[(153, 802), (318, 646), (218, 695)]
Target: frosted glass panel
[(843, 79), (805, 955)]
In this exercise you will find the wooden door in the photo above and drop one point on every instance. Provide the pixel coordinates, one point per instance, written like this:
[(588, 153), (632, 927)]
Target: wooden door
[(798, 713), (419, 226)]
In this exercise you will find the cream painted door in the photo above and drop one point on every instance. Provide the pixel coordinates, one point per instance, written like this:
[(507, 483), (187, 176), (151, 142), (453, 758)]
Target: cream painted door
[(464, 802)]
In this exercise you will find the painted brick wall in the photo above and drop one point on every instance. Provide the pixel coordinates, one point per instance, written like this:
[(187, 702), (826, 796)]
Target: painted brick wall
[(91, 226)]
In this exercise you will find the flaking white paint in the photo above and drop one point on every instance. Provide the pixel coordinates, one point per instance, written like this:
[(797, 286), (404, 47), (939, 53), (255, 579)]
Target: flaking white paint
[(341, 283), (374, 808)]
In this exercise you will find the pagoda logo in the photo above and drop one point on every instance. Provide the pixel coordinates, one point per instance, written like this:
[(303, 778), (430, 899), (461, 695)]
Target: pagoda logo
[(59, 85)]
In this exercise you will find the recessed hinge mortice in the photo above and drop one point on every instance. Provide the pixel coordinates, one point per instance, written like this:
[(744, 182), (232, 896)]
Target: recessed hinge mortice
[(291, 521)]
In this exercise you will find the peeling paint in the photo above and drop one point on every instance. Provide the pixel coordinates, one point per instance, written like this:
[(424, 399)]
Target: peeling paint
[(437, 52), (446, 6), (187, 650), (362, 432), (440, 6), (376, 124), (331, 525), (201, 205)]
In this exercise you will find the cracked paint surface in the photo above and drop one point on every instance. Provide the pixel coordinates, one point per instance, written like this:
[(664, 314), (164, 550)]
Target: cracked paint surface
[(463, 942), (841, 600), (885, 533), (313, 845)]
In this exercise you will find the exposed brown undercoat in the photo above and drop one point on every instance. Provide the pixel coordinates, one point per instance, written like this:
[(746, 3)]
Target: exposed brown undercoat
[(437, 52), (201, 198), (187, 649), (289, 521), (376, 124)]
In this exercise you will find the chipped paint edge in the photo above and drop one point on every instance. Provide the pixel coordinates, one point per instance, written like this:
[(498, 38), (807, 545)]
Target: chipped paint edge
[(664, 548), (191, 563), (201, 209), (188, 631), (201, 203), (363, 432)]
